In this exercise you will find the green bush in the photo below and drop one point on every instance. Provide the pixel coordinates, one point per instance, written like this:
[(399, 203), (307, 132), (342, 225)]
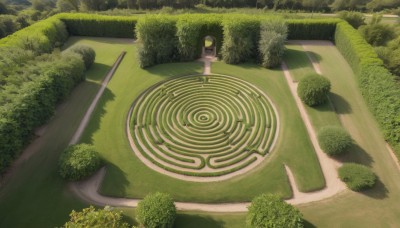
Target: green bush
[(377, 34), (314, 89), (355, 19), (241, 35), (357, 177), (334, 140), (272, 42), (79, 24), (269, 210), (156, 211), (87, 53), (90, 217), (78, 162), (157, 41)]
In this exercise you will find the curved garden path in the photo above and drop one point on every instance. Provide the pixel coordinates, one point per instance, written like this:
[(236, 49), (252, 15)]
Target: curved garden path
[(88, 189)]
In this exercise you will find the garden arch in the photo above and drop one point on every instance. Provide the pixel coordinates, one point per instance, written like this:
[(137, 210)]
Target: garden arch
[(209, 48)]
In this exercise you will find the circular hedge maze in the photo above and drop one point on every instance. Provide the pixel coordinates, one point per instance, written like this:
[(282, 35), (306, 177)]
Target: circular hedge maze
[(203, 126)]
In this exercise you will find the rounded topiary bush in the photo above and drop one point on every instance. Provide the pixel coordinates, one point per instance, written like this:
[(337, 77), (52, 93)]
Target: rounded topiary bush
[(334, 140), (313, 89), (269, 210), (156, 210), (87, 53), (357, 177), (78, 162)]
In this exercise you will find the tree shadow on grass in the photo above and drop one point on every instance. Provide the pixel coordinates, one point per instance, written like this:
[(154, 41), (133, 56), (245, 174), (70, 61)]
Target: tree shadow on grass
[(176, 69), (96, 71), (356, 154), (340, 104), (95, 119), (115, 181), (308, 224), (379, 191), (297, 59), (197, 221), (315, 57)]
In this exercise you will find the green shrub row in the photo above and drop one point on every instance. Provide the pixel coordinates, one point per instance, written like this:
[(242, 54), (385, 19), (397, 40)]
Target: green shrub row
[(311, 29), (40, 37), (79, 24), (378, 86), (30, 105)]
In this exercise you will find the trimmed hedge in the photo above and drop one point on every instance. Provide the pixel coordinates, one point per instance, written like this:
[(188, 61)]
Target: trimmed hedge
[(157, 41), (357, 177), (78, 162), (156, 210), (29, 105), (87, 53), (314, 89), (272, 42), (40, 37), (268, 210), (241, 35), (378, 86), (79, 24), (334, 140), (312, 29)]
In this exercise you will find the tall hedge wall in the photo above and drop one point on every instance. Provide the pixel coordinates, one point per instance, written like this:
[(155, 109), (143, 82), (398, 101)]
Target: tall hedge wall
[(79, 24), (40, 37), (311, 29), (378, 86), (191, 31), (241, 35)]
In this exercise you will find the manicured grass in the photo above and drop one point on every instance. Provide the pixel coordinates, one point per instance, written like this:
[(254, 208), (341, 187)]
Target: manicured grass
[(379, 206)]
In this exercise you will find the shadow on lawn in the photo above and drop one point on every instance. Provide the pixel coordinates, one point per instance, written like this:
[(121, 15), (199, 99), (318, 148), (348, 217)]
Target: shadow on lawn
[(340, 104), (296, 58), (379, 191), (197, 221), (118, 182), (356, 155), (175, 69), (95, 120)]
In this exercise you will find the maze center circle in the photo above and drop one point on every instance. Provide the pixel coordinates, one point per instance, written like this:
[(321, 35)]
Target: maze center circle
[(203, 126)]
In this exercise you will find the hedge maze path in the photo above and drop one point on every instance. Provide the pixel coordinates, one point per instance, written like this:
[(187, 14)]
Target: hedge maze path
[(204, 126)]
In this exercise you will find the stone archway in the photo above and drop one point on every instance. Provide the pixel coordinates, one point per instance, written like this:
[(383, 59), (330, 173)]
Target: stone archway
[(209, 47)]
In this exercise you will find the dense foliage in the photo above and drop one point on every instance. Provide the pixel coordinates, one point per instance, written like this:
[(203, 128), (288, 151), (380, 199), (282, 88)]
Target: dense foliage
[(90, 217), (311, 29), (98, 25), (40, 37), (78, 162), (390, 55), (241, 35), (314, 89), (87, 53), (157, 42), (356, 176), (355, 19), (29, 94), (376, 33), (378, 86), (270, 210), (156, 211), (334, 140), (272, 42)]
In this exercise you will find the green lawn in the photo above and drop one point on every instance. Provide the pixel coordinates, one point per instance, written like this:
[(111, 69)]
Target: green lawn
[(378, 207)]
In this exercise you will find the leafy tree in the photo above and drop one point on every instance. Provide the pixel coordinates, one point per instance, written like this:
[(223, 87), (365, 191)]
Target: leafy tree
[(87, 53), (78, 162), (156, 211), (334, 140), (356, 176), (355, 19), (313, 89), (269, 210), (272, 42), (90, 217), (376, 33), (67, 5)]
